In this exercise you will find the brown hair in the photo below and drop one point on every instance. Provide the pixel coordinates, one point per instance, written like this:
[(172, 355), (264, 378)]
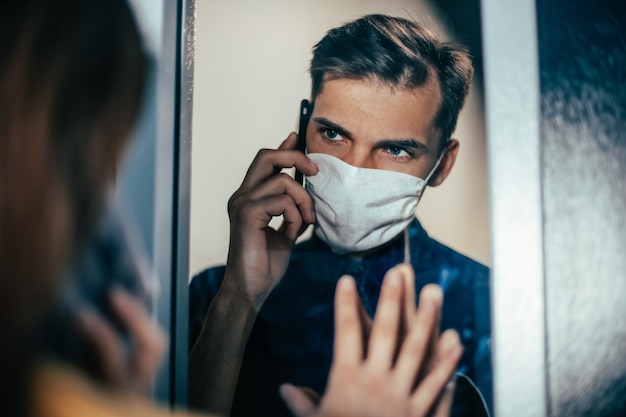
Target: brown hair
[(71, 82), (399, 52)]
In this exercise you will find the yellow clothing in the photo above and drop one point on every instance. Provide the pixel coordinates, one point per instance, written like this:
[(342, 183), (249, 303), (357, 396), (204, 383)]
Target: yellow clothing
[(63, 392)]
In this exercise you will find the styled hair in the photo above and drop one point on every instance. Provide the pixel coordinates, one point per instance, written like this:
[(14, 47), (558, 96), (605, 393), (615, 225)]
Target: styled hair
[(397, 52), (71, 83)]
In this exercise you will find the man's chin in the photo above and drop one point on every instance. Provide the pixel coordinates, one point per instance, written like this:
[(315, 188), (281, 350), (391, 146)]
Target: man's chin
[(366, 252)]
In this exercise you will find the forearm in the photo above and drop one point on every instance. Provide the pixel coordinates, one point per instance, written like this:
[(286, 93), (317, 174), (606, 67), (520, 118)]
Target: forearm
[(215, 359)]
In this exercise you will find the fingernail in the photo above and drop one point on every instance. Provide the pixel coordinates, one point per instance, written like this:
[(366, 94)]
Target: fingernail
[(394, 279), (285, 389), (433, 292), (457, 351), (345, 283)]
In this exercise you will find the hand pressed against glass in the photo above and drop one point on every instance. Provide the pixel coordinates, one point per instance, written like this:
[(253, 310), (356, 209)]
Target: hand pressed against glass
[(368, 124), (398, 376)]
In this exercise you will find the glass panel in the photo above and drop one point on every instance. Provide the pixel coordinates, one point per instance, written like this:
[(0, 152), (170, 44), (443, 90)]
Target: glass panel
[(251, 72)]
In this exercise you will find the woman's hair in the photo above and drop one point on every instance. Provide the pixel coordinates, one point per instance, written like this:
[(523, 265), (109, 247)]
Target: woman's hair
[(71, 83)]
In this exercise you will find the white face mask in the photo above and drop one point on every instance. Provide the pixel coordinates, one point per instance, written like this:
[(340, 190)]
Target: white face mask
[(357, 209)]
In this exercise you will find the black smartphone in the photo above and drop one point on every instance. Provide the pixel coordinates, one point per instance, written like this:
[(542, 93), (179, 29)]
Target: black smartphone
[(305, 110)]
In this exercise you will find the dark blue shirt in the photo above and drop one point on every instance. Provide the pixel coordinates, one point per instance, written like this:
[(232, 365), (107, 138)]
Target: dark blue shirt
[(292, 339)]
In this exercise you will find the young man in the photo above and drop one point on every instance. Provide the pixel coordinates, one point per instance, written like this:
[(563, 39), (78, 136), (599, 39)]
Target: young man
[(385, 99)]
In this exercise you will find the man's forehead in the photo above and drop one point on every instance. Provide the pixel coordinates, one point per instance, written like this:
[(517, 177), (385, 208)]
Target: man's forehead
[(373, 81)]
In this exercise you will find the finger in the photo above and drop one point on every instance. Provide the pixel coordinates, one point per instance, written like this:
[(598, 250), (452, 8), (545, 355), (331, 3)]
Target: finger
[(383, 340), (106, 344), (431, 388), (434, 294), (312, 394), (258, 214), (442, 406), (414, 351), (443, 345), (269, 162), (287, 228), (290, 142), (348, 337), (297, 400), (439, 353), (148, 338), (284, 184)]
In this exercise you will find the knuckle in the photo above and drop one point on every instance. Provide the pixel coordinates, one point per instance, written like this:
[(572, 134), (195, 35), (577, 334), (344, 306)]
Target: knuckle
[(344, 320), (285, 199), (375, 383), (239, 207), (232, 203), (342, 371), (263, 153), (243, 209), (417, 339)]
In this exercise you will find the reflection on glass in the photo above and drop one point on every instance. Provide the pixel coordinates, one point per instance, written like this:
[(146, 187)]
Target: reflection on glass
[(275, 302)]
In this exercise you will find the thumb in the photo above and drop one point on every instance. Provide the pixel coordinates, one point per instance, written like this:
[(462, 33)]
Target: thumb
[(299, 400)]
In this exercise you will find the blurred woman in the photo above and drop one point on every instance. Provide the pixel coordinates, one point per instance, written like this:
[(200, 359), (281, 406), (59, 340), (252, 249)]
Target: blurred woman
[(71, 83)]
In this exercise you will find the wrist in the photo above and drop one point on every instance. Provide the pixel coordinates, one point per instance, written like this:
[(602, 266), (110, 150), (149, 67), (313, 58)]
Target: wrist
[(231, 314), (234, 292)]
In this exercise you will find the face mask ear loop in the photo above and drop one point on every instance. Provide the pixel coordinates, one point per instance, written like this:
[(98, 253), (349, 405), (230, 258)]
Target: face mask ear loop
[(432, 171), (407, 246), (407, 251)]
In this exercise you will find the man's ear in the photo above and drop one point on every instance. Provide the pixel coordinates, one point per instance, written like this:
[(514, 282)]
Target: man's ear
[(446, 164)]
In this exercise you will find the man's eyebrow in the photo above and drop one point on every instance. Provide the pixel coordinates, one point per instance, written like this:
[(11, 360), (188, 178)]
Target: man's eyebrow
[(402, 143), (333, 126)]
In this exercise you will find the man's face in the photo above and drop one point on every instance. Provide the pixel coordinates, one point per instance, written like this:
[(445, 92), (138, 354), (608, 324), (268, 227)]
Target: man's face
[(368, 124)]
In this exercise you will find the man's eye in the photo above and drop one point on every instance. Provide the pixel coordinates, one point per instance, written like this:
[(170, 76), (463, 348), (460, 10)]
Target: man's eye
[(332, 134), (398, 151)]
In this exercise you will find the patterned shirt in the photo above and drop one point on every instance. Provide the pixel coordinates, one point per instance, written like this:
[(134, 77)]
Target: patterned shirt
[(292, 338)]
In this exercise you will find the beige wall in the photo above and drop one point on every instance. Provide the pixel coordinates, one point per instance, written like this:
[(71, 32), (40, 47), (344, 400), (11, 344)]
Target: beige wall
[(250, 75)]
